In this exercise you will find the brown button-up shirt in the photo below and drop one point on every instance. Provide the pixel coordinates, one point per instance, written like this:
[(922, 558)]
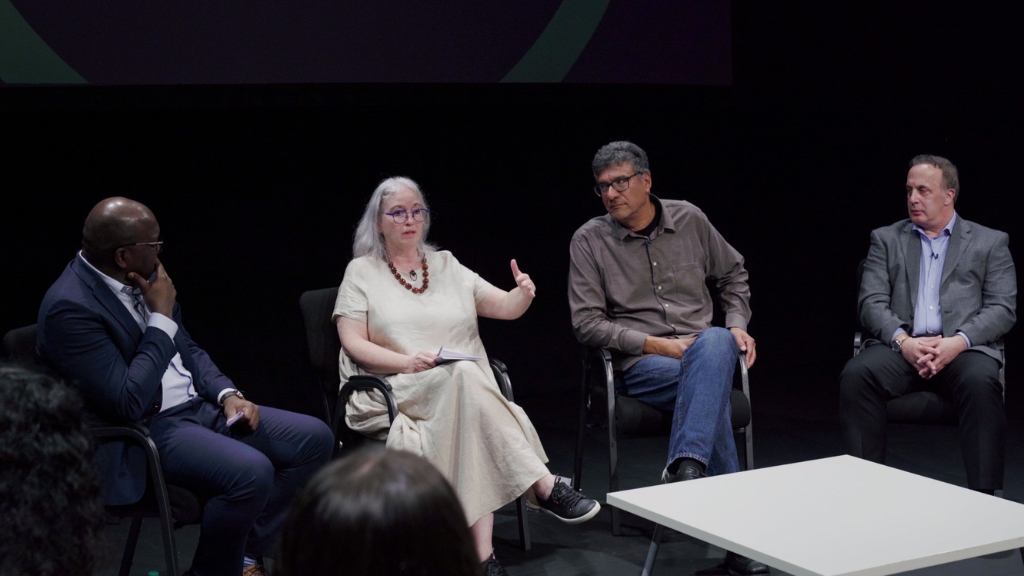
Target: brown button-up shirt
[(624, 287)]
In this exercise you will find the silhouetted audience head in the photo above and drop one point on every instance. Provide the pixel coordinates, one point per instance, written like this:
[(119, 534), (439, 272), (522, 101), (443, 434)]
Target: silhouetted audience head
[(377, 512), (49, 494)]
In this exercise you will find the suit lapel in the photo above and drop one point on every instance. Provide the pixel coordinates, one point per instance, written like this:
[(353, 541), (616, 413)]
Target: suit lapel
[(912, 257), (107, 299), (959, 240)]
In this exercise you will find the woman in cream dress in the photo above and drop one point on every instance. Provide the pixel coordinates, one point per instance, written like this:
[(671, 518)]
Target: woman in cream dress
[(400, 302)]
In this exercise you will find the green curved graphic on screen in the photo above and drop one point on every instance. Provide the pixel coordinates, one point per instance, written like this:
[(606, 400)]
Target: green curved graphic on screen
[(561, 43), (25, 58)]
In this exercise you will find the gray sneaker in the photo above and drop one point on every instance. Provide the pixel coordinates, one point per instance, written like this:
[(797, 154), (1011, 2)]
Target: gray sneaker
[(492, 567), (568, 505)]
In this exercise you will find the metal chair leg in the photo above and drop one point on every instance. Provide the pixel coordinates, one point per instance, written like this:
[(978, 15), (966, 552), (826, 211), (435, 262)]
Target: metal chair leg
[(652, 552), (577, 467), (524, 525), (613, 455), (748, 430), (170, 549), (129, 547)]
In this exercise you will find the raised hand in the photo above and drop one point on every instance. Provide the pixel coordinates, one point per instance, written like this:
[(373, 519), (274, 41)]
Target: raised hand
[(523, 281), (159, 294)]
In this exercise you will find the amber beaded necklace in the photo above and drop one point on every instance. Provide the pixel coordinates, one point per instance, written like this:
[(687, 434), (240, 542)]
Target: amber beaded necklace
[(426, 277)]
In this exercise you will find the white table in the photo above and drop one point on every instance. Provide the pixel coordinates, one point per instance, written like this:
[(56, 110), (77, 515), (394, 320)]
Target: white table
[(833, 516)]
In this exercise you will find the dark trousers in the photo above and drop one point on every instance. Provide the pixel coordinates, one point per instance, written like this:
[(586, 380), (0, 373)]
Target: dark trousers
[(971, 380), (249, 476)]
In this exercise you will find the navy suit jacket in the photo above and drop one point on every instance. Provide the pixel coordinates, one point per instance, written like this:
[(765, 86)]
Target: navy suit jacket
[(87, 334)]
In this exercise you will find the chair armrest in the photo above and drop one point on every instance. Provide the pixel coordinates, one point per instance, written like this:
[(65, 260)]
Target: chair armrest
[(366, 382), (744, 374), (137, 434), (501, 376), (594, 356), (858, 341), (341, 432)]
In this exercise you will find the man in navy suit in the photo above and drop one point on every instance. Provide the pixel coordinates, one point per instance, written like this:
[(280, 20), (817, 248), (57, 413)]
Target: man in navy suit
[(111, 325)]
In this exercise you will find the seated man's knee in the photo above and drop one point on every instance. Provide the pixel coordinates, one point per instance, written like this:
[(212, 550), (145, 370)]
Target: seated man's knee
[(855, 380), (719, 339), (982, 385), (975, 375), (254, 479), (323, 439), (323, 433), (854, 373)]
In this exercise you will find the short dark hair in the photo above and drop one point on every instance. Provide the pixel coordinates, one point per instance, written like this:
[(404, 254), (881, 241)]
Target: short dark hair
[(49, 493), (377, 512), (950, 175), (615, 153)]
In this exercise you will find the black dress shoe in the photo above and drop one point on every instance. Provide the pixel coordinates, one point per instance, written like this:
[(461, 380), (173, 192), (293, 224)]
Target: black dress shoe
[(743, 566), (685, 472)]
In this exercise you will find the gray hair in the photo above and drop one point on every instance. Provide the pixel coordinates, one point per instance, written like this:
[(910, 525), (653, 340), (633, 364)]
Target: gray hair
[(368, 238), (616, 153), (950, 175)]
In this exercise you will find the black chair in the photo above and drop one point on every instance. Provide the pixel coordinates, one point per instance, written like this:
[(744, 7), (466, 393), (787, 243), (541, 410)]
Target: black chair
[(20, 345), (923, 406), (627, 416), (173, 506), (324, 351)]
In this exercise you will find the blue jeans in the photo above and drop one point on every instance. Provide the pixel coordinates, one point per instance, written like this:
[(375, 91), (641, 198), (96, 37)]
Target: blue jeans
[(697, 390)]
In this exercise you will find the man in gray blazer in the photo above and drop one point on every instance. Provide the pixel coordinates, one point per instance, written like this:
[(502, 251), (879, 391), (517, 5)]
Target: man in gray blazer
[(937, 293)]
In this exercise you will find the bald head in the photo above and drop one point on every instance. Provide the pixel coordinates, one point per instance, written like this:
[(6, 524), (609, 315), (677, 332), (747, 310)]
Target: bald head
[(112, 224)]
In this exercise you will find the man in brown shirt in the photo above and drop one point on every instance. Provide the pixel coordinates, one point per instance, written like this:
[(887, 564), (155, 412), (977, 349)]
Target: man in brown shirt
[(637, 286)]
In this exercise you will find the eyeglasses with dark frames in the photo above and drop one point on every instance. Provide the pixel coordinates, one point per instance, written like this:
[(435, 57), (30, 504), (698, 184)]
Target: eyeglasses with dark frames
[(401, 216), (619, 184), (158, 246)]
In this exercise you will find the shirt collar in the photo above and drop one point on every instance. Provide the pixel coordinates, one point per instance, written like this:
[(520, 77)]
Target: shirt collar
[(663, 225), (116, 286), (947, 230)]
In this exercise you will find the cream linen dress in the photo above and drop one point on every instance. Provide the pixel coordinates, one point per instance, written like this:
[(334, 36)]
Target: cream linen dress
[(453, 415)]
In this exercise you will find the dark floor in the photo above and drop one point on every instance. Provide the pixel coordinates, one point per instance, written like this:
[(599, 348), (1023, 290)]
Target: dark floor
[(779, 438)]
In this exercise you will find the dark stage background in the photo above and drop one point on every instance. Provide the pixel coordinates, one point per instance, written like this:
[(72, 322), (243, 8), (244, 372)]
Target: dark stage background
[(258, 187)]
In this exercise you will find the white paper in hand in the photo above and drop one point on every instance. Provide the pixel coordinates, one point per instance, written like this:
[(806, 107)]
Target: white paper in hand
[(446, 356)]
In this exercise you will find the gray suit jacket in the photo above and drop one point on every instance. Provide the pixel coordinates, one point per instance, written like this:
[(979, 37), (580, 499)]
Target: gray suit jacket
[(978, 293)]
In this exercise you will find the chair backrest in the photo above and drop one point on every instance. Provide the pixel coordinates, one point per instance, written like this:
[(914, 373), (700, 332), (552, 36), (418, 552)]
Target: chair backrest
[(324, 345), (20, 344)]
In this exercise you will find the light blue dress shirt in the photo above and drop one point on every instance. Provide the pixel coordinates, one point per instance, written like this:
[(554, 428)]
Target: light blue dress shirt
[(928, 311)]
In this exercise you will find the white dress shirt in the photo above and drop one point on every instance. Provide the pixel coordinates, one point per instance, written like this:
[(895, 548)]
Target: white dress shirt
[(177, 381)]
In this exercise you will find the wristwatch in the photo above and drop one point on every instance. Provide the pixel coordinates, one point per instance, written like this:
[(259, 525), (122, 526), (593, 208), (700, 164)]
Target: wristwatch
[(230, 394), (897, 343)]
